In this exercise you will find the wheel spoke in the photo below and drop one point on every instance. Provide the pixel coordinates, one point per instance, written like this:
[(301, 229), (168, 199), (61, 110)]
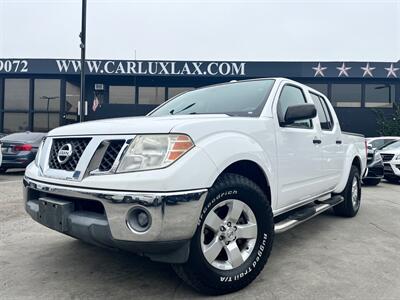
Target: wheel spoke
[(213, 221), (235, 257), (211, 252), (246, 231), (235, 210)]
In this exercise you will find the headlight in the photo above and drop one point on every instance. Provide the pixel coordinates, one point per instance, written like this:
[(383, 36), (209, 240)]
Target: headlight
[(39, 152), (397, 157), (154, 152), (377, 156)]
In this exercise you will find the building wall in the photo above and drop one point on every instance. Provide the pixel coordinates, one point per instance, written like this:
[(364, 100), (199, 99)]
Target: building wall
[(47, 94)]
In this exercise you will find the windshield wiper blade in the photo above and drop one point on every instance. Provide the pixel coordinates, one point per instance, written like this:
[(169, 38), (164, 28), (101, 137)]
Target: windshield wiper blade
[(183, 109)]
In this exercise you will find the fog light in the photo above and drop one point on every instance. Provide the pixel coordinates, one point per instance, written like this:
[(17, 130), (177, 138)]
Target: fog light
[(138, 219)]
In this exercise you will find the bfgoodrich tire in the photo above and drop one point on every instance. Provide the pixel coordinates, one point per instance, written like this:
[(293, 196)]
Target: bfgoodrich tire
[(351, 194), (233, 239)]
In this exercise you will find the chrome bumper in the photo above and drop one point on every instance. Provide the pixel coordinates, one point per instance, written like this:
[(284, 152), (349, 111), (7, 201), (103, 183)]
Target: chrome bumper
[(174, 214)]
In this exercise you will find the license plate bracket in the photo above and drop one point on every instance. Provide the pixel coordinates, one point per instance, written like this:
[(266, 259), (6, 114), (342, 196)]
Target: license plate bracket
[(54, 213)]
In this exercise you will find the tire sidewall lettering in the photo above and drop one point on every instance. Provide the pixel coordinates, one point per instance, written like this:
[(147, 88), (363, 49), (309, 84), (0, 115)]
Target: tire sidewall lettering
[(261, 245)]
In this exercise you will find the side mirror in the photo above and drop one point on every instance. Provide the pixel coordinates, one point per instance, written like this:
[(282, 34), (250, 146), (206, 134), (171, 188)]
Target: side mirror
[(299, 112)]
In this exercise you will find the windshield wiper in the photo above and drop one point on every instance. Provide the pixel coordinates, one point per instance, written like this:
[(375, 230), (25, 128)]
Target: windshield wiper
[(172, 112)]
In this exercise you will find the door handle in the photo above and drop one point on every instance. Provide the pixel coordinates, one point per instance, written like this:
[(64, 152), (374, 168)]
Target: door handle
[(317, 141), (339, 142)]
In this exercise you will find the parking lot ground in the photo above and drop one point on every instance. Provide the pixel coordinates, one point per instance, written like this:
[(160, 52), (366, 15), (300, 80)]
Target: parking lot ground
[(325, 258)]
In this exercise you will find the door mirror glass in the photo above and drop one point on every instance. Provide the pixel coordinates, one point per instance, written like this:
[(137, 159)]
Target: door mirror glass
[(299, 112)]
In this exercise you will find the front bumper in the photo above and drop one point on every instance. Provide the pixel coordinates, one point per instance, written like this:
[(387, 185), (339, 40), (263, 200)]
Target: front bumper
[(392, 168), (174, 216)]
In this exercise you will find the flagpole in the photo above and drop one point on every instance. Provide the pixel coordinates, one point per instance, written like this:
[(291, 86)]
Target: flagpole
[(83, 52)]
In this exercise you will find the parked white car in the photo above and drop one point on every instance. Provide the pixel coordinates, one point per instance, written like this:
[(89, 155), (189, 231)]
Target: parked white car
[(391, 159), (379, 142), (204, 181)]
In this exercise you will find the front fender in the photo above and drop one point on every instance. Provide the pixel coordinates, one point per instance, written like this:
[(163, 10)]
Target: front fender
[(227, 148)]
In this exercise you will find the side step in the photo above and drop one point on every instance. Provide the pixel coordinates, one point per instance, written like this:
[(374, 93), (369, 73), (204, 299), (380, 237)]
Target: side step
[(303, 214)]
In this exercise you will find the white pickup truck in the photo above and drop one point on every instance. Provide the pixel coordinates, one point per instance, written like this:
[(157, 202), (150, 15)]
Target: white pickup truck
[(204, 181)]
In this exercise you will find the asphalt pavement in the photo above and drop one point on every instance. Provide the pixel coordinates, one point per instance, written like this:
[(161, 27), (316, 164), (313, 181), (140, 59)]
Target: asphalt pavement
[(327, 257)]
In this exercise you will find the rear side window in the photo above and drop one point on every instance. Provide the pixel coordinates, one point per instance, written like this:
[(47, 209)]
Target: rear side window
[(323, 112), (291, 95)]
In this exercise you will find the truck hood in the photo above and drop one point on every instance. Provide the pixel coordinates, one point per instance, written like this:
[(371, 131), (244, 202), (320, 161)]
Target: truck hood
[(131, 125)]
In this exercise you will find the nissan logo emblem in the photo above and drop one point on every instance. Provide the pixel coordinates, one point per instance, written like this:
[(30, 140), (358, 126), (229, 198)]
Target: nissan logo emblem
[(64, 153)]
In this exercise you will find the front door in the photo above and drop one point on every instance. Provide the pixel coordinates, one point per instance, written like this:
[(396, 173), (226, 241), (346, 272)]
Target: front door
[(298, 151)]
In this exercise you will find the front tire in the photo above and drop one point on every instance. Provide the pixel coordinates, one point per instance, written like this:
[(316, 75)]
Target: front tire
[(233, 239), (351, 194)]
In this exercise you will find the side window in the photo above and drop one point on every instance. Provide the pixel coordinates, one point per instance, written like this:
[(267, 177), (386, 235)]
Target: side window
[(322, 112), (328, 113), (291, 95)]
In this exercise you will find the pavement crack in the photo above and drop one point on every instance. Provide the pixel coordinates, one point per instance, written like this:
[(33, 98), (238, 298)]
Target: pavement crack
[(381, 229)]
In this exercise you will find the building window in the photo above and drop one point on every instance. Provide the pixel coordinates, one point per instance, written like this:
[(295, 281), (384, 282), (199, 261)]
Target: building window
[(16, 94), (15, 122), (320, 87), (173, 91), (379, 95), (346, 95), (43, 122), (47, 95), (72, 96), (151, 95), (119, 94)]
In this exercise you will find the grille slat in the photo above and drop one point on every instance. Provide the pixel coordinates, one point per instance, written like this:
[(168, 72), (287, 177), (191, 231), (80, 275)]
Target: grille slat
[(78, 146), (387, 157), (111, 155)]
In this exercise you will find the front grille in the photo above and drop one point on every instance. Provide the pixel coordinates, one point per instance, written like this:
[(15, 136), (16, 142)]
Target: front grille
[(78, 146), (387, 157), (111, 155)]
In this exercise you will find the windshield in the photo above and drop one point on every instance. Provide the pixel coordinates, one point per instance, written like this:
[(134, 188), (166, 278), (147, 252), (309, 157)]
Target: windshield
[(392, 146), (246, 99)]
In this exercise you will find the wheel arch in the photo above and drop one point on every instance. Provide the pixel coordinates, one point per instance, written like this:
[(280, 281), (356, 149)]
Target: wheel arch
[(354, 160), (253, 171)]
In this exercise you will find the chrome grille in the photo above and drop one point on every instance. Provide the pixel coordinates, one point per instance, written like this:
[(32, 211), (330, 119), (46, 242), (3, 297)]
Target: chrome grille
[(78, 146), (111, 155), (387, 157)]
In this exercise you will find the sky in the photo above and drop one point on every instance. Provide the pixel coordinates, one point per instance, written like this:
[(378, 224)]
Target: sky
[(311, 30)]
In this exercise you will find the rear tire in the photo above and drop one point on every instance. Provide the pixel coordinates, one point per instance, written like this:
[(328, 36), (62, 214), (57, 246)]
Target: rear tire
[(236, 219), (371, 181), (351, 194)]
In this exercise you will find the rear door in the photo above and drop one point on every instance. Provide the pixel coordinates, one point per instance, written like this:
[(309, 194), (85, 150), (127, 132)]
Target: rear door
[(298, 151), (331, 144)]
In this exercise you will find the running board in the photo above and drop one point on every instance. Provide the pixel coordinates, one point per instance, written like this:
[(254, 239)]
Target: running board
[(303, 214)]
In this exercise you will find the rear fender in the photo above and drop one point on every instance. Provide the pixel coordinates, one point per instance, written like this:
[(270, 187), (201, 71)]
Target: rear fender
[(351, 154)]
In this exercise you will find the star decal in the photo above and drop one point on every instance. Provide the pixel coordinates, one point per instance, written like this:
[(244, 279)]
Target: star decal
[(319, 70), (368, 70), (392, 71), (343, 70)]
